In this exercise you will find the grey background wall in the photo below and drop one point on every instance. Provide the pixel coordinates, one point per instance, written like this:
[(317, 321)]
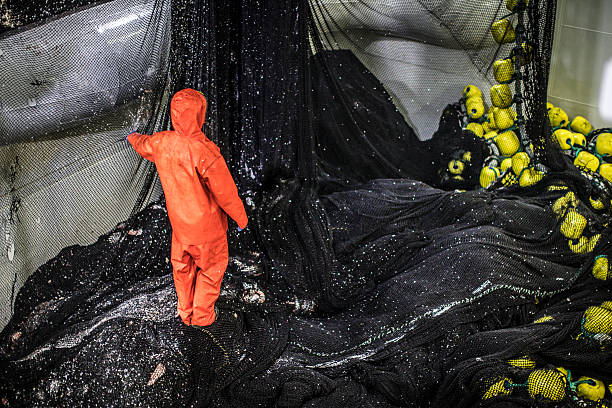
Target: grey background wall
[(582, 47)]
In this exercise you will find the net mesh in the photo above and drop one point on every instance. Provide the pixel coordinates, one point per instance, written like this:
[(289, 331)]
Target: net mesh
[(368, 275), (72, 88)]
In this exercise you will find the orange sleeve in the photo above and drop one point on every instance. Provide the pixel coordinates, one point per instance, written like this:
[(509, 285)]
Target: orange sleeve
[(220, 183), (142, 144)]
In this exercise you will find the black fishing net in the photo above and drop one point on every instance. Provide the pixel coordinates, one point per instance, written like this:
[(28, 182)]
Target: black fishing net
[(369, 275)]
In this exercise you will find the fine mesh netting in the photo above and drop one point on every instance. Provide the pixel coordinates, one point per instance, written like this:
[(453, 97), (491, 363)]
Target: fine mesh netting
[(71, 88), (369, 274)]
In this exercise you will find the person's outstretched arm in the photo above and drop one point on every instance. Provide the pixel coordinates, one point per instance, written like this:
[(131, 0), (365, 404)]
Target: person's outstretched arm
[(142, 144), (220, 183)]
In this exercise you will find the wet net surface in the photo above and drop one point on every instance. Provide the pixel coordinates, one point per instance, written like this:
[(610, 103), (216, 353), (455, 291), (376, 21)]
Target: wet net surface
[(364, 277)]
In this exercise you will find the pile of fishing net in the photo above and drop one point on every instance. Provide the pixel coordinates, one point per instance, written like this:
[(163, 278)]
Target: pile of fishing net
[(366, 277)]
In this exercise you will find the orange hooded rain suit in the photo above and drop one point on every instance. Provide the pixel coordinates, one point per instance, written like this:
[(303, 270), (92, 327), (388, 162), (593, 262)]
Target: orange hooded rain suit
[(199, 192)]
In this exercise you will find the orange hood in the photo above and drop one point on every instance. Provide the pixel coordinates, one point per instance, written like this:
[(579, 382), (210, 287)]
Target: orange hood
[(188, 110)]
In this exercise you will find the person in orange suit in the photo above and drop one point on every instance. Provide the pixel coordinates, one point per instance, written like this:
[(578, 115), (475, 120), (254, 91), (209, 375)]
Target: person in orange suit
[(199, 192)]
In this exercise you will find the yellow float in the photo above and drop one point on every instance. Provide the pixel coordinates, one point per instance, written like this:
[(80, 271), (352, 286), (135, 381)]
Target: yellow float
[(598, 320), (501, 96), (455, 167), (520, 161), (488, 175), (503, 32), (603, 146), (549, 384), (579, 140), (586, 160), (564, 138), (503, 70), (506, 164), (557, 117), (581, 125), (508, 143), (573, 224), (498, 388), (529, 177), (562, 203), (606, 171), (601, 268), (476, 128), (471, 91), (504, 118)]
